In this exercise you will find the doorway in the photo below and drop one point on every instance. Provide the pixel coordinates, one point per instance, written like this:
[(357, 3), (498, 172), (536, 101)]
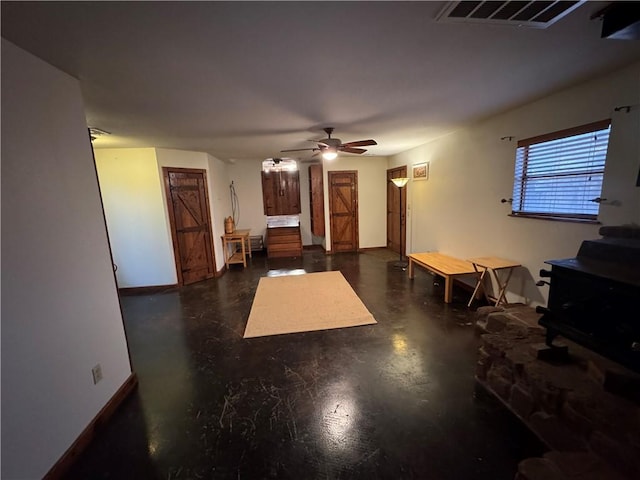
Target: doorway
[(343, 211), (396, 220), (189, 215)]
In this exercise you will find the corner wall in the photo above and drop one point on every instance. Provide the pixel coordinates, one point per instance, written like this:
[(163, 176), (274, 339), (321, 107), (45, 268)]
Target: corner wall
[(135, 203), (60, 310), (136, 216), (458, 210)]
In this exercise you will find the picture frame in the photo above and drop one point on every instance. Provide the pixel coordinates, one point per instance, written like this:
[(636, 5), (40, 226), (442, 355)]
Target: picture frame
[(420, 171)]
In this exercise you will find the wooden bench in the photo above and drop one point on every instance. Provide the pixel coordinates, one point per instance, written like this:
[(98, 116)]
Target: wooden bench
[(443, 265)]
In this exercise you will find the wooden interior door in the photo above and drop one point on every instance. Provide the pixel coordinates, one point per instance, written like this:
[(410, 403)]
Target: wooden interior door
[(188, 203), (396, 220), (316, 199), (343, 211)]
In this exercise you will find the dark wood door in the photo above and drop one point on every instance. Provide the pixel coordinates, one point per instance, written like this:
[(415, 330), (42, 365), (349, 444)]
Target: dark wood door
[(188, 203), (396, 219), (281, 193), (316, 198), (343, 211)]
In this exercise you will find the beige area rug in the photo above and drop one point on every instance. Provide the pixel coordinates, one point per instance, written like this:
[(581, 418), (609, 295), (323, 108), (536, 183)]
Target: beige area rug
[(304, 303)]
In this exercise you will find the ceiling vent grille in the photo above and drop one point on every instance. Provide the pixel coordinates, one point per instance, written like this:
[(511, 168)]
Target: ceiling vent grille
[(537, 14)]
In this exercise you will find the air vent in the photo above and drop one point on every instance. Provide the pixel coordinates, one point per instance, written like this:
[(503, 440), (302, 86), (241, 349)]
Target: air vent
[(538, 14)]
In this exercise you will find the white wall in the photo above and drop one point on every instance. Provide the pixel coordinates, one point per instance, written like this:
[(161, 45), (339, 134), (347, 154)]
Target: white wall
[(132, 193), (372, 197), (220, 203), (60, 311), (246, 178), (458, 210)]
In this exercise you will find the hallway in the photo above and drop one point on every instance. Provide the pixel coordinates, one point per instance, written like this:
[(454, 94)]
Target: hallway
[(395, 400)]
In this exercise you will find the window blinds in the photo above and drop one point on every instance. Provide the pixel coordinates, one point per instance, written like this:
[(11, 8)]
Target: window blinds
[(559, 174)]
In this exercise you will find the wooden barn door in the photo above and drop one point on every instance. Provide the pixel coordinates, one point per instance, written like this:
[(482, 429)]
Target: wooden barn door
[(343, 211), (188, 204), (396, 229)]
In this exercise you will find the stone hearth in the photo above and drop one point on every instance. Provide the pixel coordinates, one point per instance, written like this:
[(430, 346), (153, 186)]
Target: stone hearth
[(585, 408)]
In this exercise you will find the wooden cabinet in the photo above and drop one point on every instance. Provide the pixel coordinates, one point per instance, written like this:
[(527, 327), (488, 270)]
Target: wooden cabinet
[(281, 193), (316, 198), (284, 242)]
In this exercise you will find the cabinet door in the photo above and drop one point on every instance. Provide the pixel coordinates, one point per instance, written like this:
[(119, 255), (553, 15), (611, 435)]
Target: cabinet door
[(290, 193), (270, 193), (281, 193), (316, 197)]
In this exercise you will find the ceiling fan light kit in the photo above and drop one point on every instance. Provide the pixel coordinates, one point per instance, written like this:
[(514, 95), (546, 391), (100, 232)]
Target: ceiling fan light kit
[(330, 154), (330, 147)]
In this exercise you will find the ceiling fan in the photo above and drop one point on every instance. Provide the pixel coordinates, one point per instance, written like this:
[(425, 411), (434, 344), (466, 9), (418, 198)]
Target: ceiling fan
[(329, 147)]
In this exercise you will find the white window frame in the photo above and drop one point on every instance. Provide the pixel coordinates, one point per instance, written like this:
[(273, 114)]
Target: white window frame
[(558, 176)]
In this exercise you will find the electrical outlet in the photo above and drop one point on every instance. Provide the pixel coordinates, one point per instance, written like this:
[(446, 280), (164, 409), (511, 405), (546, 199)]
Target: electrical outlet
[(97, 373)]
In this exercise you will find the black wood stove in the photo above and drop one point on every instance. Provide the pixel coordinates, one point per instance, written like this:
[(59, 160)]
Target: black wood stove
[(594, 298)]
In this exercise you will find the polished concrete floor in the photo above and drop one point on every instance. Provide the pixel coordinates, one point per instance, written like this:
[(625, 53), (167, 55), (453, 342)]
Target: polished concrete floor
[(396, 400)]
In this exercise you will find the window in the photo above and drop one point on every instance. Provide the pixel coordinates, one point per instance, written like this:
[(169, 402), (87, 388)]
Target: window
[(559, 175)]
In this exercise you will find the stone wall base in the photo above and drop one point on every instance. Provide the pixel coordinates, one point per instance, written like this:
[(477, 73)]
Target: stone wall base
[(584, 407)]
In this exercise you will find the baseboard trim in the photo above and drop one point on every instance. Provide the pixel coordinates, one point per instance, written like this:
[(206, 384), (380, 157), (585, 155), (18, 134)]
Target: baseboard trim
[(62, 466), (148, 290), (221, 272), (313, 247), (369, 249)]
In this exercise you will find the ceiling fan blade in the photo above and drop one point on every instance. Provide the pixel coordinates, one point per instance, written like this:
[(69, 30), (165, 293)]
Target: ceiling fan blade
[(351, 149), (298, 149), (360, 143)]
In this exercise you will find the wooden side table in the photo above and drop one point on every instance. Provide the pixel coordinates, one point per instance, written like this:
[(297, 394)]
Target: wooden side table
[(482, 265), (229, 245)]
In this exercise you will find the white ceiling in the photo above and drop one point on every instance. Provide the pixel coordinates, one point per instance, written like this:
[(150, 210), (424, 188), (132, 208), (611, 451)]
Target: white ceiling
[(247, 79)]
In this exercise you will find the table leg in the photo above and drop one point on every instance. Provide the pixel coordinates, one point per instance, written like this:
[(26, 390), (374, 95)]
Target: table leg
[(410, 269), (249, 246), (479, 284), (448, 289), (244, 258), (225, 251), (502, 294)]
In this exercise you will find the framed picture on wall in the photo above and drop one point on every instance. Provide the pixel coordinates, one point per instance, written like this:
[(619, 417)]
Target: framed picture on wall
[(421, 171)]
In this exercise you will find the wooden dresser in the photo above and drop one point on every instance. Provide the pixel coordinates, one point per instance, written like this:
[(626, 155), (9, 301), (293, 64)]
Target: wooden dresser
[(284, 242)]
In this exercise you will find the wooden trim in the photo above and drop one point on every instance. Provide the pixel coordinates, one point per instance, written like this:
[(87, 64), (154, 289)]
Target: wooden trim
[(222, 271), (400, 171), (147, 290), (62, 466), (172, 220), (568, 132), (556, 218), (369, 249), (356, 227)]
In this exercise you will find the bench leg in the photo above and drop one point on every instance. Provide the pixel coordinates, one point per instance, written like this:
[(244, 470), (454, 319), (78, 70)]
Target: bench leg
[(410, 269), (448, 289)]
